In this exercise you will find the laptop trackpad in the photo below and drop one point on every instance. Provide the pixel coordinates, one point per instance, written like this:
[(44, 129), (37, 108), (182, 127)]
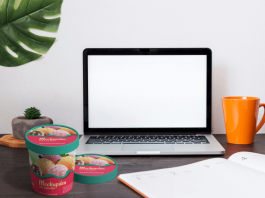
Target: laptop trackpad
[(146, 147)]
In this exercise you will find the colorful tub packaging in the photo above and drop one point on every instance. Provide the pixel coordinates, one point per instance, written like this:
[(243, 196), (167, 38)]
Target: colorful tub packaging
[(52, 158), (94, 169)]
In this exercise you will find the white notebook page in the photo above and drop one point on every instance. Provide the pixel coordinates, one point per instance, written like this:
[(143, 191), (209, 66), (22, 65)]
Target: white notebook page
[(249, 159), (216, 178)]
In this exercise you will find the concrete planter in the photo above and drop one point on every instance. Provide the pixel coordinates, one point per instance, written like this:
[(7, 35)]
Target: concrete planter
[(20, 125)]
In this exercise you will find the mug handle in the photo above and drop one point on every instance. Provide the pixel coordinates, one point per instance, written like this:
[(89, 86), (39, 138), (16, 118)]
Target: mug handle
[(263, 118)]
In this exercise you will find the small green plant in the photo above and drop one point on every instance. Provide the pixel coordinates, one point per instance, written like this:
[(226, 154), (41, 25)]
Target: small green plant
[(32, 113)]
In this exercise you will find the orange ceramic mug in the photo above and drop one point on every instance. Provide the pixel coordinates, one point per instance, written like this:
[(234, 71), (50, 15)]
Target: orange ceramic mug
[(240, 116)]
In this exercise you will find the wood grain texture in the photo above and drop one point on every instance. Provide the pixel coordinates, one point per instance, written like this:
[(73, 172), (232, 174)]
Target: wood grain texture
[(10, 141), (15, 176)]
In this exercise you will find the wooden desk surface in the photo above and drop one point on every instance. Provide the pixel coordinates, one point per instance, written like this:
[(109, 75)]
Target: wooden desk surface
[(15, 176)]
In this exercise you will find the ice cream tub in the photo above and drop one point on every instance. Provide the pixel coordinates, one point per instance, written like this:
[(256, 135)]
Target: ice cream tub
[(52, 158), (94, 168)]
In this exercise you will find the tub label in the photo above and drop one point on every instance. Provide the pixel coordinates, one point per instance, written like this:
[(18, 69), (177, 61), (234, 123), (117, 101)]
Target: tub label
[(52, 174), (52, 140), (94, 164), (52, 135), (52, 186), (94, 170)]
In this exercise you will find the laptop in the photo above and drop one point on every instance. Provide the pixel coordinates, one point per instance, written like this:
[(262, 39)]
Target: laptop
[(143, 101)]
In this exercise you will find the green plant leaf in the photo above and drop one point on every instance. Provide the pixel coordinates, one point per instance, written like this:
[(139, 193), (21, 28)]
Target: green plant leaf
[(64, 155), (17, 17)]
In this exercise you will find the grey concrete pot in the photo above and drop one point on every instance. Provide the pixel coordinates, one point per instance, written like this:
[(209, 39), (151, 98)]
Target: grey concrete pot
[(20, 125)]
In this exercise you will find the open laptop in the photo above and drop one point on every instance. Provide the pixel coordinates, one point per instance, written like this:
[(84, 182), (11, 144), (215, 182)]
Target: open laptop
[(148, 102)]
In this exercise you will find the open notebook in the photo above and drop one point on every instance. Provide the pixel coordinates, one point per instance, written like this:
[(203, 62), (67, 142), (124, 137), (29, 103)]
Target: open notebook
[(241, 176)]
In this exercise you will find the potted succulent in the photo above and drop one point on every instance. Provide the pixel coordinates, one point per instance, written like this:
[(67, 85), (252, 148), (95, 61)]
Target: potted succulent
[(32, 118)]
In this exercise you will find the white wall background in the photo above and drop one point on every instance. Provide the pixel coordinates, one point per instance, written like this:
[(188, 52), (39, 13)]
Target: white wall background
[(234, 30)]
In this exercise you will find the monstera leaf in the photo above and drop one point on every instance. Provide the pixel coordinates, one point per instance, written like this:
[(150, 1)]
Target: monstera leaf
[(17, 18)]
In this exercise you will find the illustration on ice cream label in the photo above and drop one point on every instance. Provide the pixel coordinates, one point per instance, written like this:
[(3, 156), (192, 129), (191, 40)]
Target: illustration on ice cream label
[(52, 172), (45, 166), (93, 165), (52, 135)]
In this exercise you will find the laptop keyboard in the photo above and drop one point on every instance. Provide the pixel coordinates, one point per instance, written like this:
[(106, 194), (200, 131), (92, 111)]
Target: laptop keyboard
[(146, 139)]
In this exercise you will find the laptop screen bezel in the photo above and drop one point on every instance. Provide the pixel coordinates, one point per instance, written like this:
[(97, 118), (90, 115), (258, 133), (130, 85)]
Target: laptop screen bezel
[(147, 51)]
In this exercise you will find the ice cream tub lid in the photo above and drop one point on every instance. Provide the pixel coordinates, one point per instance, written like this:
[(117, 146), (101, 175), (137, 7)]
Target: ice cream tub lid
[(52, 139), (94, 168)]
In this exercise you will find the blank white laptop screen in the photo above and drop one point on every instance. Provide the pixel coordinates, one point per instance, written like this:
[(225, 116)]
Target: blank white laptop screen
[(148, 91)]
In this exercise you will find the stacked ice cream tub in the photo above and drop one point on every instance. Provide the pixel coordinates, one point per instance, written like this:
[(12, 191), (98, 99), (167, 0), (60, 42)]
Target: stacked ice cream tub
[(54, 164)]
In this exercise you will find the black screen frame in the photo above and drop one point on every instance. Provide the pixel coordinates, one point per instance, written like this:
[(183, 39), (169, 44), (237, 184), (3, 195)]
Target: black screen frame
[(147, 51)]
